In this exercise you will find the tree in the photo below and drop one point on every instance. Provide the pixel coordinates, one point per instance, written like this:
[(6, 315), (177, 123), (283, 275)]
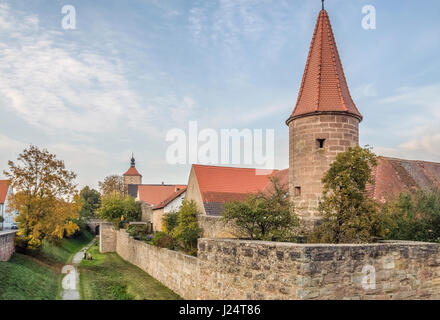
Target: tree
[(348, 214), (90, 200), (187, 230), (112, 184), (265, 216), (119, 209), (44, 197), (170, 222), (414, 216)]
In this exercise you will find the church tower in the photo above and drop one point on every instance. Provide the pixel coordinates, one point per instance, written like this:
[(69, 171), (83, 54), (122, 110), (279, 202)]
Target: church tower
[(132, 178), (324, 122)]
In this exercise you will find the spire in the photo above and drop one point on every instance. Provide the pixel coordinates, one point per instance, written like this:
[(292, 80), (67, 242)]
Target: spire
[(324, 87), (132, 171), (133, 162)]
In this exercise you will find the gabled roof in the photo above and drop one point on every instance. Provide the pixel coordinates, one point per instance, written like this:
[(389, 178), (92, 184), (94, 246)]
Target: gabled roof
[(219, 185), (394, 176), (4, 187), (159, 195), (216, 181), (324, 87), (132, 172)]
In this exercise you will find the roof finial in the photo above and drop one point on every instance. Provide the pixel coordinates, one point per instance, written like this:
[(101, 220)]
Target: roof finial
[(132, 160), (322, 4)]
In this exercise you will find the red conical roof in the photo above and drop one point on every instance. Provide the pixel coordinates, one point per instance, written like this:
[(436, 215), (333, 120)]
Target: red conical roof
[(324, 87), (132, 172)]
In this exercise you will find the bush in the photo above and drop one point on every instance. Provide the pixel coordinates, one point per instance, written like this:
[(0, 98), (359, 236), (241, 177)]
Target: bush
[(264, 216), (139, 231), (170, 222), (348, 214), (187, 231), (119, 209), (163, 240), (414, 217)]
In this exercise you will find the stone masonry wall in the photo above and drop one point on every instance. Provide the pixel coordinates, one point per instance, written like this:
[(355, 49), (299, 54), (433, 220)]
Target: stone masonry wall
[(308, 162), (214, 227), (177, 271), (7, 246), (266, 270), (238, 269), (107, 238)]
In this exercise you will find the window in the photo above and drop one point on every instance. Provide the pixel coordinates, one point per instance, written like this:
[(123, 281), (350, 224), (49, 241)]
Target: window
[(320, 143), (297, 191)]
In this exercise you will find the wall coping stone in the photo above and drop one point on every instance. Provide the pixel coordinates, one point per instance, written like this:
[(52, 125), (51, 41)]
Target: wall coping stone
[(311, 245)]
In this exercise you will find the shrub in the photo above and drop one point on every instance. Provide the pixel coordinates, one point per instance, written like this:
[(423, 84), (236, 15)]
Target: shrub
[(163, 240), (139, 231), (119, 209), (414, 217), (264, 216), (187, 231), (348, 214), (170, 222)]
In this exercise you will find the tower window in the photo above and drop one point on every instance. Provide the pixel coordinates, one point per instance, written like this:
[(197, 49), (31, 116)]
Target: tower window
[(320, 143), (297, 191)]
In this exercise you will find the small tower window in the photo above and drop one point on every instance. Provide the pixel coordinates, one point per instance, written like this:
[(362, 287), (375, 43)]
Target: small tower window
[(297, 191), (320, 143)]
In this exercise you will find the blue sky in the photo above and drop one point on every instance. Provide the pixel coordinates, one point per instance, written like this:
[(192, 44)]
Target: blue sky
[(132, 70)]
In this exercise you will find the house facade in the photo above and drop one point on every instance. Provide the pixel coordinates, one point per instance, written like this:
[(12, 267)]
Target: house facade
[(156, 199), (9, 217)]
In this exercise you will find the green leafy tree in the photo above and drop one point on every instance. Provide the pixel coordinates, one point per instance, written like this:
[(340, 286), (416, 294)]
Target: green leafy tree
[(170, 222), (119, 209), (45, 197), (90, 200), (348, 214), (414, 216), (112, 184), (187, 230), (265, 216)]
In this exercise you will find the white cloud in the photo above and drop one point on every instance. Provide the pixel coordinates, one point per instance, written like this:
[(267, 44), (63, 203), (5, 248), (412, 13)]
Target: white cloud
[(54, 86), (419, 131)]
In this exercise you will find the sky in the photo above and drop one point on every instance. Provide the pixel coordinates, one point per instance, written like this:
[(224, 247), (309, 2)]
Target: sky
[(133, 70)]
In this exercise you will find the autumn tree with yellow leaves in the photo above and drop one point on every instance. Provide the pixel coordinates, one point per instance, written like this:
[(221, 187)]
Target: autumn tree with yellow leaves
[(44, 196)]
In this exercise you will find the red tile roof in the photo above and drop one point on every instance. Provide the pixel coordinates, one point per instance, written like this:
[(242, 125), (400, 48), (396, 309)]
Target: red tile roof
[(283, 180), (4, 187), (324, 87), (223, 184), (132, 172), (159, 195), (394, 176)]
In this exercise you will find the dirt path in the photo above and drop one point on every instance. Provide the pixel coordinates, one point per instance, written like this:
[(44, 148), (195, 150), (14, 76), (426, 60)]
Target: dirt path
[(70, 281)]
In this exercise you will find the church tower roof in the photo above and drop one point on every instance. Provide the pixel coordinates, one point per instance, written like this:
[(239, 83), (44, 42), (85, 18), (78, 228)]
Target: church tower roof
[(132, 171), (324, 88)]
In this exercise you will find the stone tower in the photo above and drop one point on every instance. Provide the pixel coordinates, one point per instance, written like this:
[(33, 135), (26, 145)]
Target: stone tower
[(324, 122), (132, 178)]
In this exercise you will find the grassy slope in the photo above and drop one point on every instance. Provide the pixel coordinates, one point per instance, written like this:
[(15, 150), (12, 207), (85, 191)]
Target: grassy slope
[(65, 252), (109, 277), (27, 278), (38, 276)]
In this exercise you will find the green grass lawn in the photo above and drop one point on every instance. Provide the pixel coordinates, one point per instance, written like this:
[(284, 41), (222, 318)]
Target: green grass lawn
[(109, 277), (37, 276), (27, 278)]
